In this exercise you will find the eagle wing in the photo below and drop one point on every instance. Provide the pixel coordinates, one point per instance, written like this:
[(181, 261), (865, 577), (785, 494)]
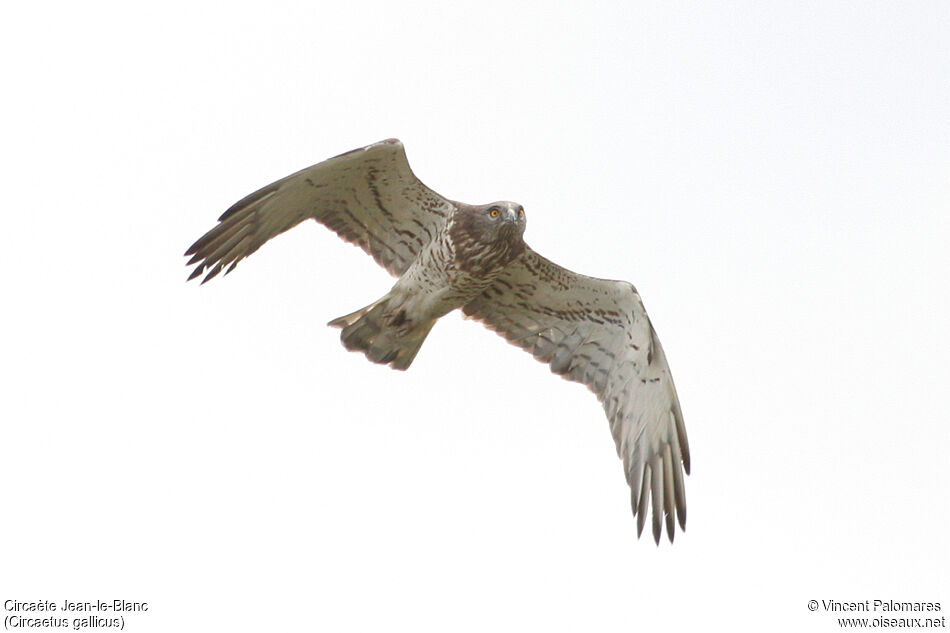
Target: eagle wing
[(368, 196), (597, 332)]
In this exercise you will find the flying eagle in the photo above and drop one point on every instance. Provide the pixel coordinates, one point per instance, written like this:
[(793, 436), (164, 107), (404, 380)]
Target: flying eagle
[(448, 255)]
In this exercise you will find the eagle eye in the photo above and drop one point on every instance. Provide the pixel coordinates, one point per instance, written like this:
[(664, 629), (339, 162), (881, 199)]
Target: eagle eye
[(493, 213), (520, 213)]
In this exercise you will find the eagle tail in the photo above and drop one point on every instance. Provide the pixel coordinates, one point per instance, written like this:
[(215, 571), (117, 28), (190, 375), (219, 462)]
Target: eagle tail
[(384, 337)]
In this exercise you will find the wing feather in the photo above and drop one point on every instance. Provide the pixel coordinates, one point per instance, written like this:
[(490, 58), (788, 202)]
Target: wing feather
[(368, 196), (597, 332)]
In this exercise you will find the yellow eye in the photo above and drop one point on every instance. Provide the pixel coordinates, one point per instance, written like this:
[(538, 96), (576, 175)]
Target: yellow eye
[(494, 213), (520, 213)]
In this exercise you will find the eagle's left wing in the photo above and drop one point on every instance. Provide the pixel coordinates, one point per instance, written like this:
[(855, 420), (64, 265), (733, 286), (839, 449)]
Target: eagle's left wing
[(368, 196), (596, 331)]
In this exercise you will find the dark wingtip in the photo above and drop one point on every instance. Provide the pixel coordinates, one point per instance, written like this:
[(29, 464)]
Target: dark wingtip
[(192, 249), (211, 275), (196, 272), (248, 200)]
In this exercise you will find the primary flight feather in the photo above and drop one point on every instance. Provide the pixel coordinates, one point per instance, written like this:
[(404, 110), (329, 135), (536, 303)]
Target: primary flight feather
[(448, 255)]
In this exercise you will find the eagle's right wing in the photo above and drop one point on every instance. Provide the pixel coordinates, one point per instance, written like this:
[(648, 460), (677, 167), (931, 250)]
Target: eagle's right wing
[(596, 331), (369, 196)]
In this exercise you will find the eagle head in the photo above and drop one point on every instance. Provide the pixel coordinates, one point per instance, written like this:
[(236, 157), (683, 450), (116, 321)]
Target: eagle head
[(488, 236)]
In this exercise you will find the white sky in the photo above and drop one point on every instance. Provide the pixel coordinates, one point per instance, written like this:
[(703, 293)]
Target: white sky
[(773, 177)]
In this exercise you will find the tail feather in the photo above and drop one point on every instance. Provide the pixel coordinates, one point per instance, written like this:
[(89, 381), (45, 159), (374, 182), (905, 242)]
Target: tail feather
[(384, 339)]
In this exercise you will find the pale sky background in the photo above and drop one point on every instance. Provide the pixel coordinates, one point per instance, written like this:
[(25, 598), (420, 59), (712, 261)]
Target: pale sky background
[(773, 177)]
